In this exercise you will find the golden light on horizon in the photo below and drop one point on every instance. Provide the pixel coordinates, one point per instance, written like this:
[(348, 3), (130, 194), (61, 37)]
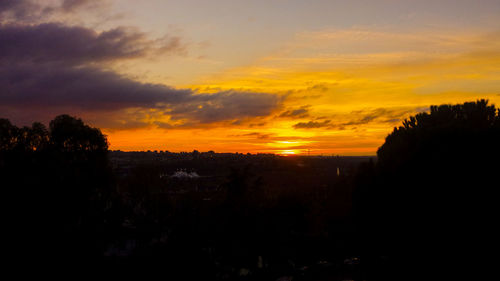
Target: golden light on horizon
[(322, 83), (288, 152)]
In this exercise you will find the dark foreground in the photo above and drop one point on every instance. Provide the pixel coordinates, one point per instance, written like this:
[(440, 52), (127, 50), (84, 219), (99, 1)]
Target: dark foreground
[(426, 204)]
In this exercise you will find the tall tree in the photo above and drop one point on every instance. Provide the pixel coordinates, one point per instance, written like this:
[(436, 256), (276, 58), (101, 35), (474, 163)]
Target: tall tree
[(58, 184), (433, 189)]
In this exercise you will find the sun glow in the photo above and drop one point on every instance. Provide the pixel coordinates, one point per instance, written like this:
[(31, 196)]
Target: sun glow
[(285, 144), (337, 90), (288, 152)]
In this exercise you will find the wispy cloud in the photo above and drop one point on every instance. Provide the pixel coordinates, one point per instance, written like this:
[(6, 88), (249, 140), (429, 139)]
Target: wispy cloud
[(31, 11), (381, 115), (362, 117), (253, 135), (312, 125), (301, 112), (73, 5)]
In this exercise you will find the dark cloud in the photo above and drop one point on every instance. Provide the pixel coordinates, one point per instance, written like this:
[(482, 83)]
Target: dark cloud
[(30, 10), (227, 105), (12, 5), (91, 89), (312, 125), (52, 68), (261, 124), (296, 113), (75, 45), (385, 115), (363, 117), (73, 5), (256, 135), (18, 9), (319, 87)]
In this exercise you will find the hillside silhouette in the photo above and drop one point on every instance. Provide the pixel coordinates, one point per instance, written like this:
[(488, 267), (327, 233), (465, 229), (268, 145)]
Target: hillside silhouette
[(429, 195)]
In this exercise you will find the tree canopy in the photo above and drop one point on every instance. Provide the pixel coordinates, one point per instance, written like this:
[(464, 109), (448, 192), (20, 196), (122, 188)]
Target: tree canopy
[(58, 183), (66, 133), (460, 130), (433, 189)]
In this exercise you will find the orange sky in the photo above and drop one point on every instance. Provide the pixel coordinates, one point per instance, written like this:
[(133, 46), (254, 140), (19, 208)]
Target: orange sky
[(275, 76), (350, 101)]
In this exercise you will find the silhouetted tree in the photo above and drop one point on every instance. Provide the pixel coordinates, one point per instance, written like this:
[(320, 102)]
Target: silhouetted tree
[(59, 186), (431, 192), (8, 135), (71, 134), (447, 130)]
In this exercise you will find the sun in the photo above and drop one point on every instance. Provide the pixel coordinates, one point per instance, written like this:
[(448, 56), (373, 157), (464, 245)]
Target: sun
[(288, 152)]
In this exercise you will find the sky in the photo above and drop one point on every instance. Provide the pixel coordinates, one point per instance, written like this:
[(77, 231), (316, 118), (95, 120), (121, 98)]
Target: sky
[(276, 76)]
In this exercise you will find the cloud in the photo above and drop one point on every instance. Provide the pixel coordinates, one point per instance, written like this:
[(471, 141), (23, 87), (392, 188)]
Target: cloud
[(312, 125), (296, 113), (227, 105), (12, 5), (53, 68), (88, 88), (73, 5), (256, 135), (59, 67), (53, 42), (30, 11), (92, 89), (261, 124), (319, 87), (384, 115), (363, 117), (18, 9)]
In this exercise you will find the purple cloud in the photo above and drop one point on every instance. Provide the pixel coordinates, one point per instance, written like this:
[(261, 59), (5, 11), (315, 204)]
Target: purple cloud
[(28, 11), (72, 5), (28, 86), (18, 9), (52, 42), (52, 68)]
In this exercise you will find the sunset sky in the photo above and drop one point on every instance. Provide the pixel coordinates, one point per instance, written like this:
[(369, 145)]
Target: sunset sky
[(270, 76)]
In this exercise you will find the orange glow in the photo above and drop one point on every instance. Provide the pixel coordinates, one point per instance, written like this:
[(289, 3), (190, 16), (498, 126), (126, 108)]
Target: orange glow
[(283, 77), (350, 102), (288, 152)]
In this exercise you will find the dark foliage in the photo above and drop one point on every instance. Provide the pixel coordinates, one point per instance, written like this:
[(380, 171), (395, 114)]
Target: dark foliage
[(430, 199), (247, 217), (59, 189)]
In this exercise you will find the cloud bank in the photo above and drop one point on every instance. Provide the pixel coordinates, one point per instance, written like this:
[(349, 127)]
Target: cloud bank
[(75, 45), (61, 68)]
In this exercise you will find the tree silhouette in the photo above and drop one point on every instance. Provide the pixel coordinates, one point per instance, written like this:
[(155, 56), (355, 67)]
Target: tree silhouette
[(8, 135), (432, 190), (446, 131), (71, 134), (59, 186)]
